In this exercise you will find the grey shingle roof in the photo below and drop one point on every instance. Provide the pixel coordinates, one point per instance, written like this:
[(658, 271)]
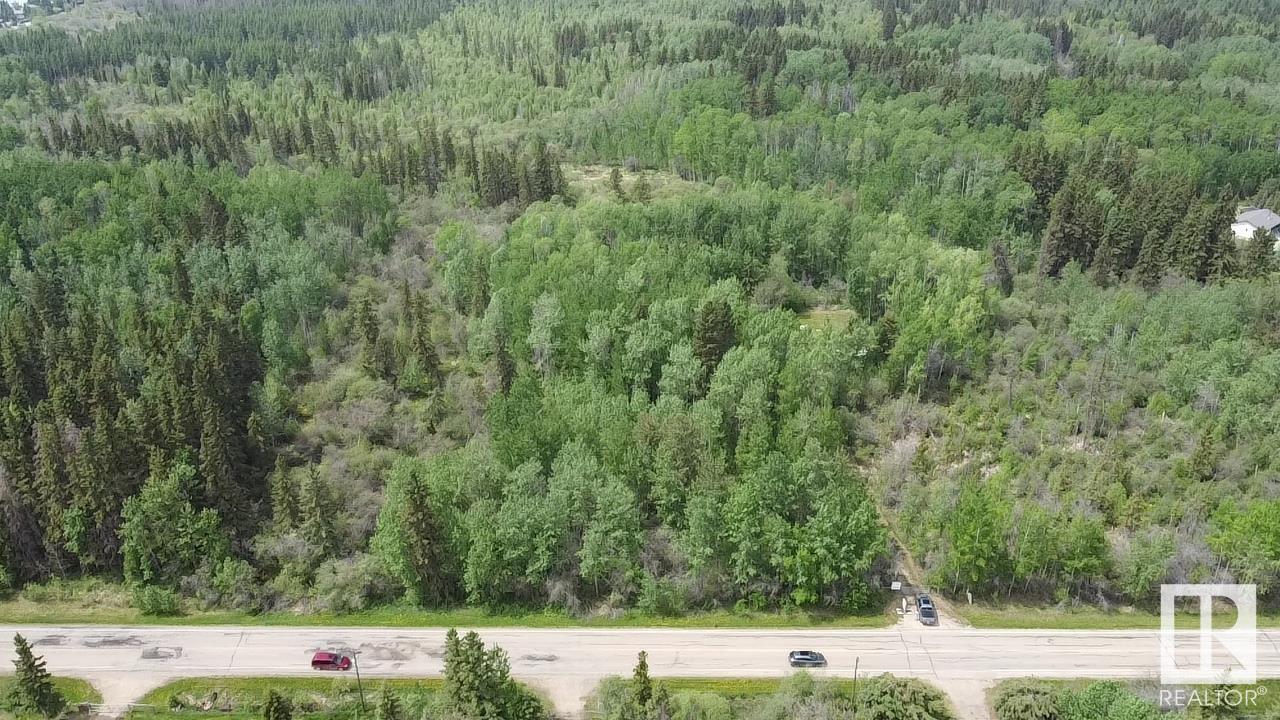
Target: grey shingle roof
[(1259, 218)]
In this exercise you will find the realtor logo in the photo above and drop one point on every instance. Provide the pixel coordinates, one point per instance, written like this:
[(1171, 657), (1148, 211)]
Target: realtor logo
[(1208, 655)]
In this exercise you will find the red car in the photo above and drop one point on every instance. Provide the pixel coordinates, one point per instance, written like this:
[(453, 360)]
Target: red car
[(330, 661)]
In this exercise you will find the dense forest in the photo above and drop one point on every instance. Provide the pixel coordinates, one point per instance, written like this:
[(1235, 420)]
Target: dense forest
[(662, 304)]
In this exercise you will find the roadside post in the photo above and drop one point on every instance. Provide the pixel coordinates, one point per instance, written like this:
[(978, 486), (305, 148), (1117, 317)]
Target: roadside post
[(355, 659)]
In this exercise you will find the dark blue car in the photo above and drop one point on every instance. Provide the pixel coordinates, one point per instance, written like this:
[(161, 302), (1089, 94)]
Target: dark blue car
[(806, 658)]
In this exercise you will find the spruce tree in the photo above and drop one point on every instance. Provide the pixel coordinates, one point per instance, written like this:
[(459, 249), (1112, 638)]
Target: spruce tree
[(641, 684), (888, 20), (1222, 260), (277, 707), (1151, 263), (1043, 170), (317, 514), (1259, 258), (366, 328), (1001, 269), (641, 191), (388, 705), (478, 684), (1204, 458), (426, 548), (1114, 254), (615, 184), (33, 690), (506, 367), (284, 499), (1075, 223), (1188, 250), (713, 334)]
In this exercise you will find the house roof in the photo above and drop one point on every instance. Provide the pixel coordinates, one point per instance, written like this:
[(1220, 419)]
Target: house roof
[(1259, 218)]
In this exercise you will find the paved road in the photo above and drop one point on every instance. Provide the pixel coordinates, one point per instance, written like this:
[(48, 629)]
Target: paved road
[(125, 662)]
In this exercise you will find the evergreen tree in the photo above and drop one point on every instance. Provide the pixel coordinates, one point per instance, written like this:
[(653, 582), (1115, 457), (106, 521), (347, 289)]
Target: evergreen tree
[(1222, 260), (641, 684), (764, 100), (1001, 269), (33, 689), (1259, 258), (1205, 457), (615, 184), (713, 334), (1113, 255), (1043, 170), (1151, 262), (641, 191), (1217, 704), (367, 330), (317, 520), (420, 371), (284, 500), (1188, 248), (326, 142), (277, 707), (411, 538), (388, 705), (888, 20), (1074, 225), (478, 684), (506, 367)]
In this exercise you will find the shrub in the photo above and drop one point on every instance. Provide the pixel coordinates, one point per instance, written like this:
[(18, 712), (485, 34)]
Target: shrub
[(353, 584), (1106, 699), (229, 583), (609, 698), (660, 596), (1027, 700), (155, 600), (237, 585), (894, 698), (701, 706)]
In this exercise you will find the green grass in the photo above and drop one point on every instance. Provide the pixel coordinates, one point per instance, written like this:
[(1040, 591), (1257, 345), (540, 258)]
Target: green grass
[(397, 616), (819, 318), (591, 182), (241, 698), (733, 687), (1020, 617), (75, 690), (254, 688), (101, 602)]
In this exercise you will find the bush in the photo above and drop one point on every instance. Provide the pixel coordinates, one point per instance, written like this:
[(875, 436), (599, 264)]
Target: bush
[(660, 596), (894, 698), (229, 583), (156, 601), (609, 699), (237, 585), (701, 706), (353, 584), (1027, 700), (1106, 699)]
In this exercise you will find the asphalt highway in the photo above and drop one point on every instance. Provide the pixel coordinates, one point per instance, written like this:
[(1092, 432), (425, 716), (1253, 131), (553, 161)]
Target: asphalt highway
[(125, 662)]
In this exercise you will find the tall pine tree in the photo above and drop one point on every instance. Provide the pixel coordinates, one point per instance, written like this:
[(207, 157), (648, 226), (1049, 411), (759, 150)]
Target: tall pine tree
[(32, 690)]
